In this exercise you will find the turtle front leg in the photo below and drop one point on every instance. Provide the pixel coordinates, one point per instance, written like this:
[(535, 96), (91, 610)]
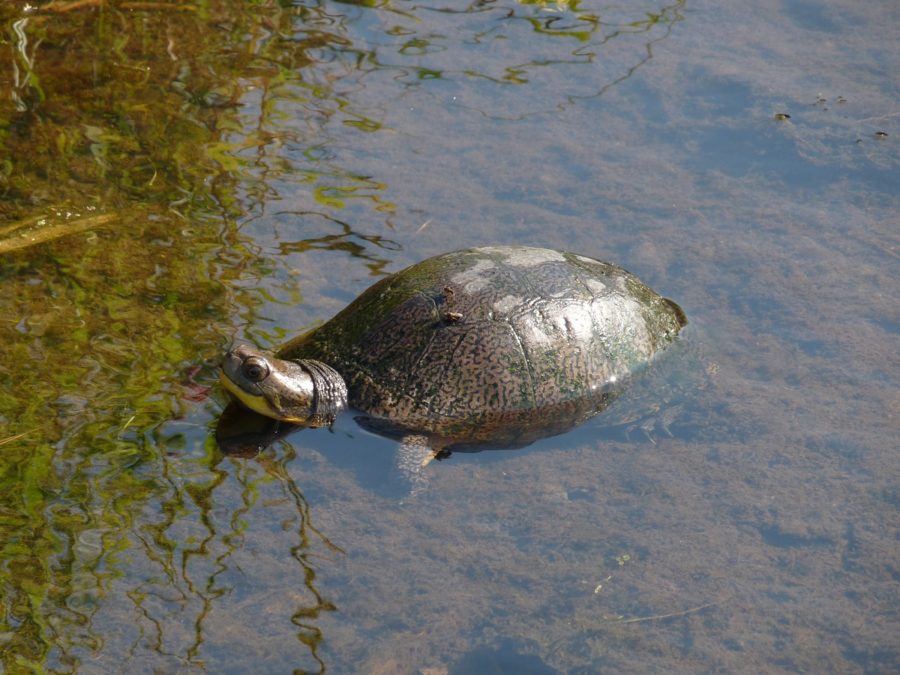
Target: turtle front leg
[(416, 452)]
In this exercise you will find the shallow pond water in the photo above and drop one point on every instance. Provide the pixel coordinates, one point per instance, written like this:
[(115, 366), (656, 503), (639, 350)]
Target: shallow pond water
[(179, 175)]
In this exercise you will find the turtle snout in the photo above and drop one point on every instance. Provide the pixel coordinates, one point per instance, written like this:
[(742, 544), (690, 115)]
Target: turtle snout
[(240, 350), (234, 360)]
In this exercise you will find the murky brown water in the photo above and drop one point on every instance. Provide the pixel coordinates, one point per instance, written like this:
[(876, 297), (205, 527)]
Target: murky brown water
[(176, 175)]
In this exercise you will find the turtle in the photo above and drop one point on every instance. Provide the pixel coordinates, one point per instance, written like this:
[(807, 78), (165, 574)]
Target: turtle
[(494, 346)]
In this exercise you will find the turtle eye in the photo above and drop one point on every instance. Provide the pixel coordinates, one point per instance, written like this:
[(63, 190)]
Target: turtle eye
[(255, 369)]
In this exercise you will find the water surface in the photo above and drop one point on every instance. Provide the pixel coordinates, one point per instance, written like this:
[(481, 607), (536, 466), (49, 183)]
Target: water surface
[(178, 175)]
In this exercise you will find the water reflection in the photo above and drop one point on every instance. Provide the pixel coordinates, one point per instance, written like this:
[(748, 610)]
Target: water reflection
[(242, 433), (304, 616), (242, 158), (224, 143), (421, 49), (366, 248), (207, 554)]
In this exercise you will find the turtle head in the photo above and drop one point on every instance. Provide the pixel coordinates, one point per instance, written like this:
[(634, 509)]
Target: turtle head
[(301, 392)]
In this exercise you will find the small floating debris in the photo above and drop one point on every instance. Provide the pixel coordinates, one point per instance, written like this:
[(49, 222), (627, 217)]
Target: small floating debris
[(880, 135), (781, 117), (841, 99)]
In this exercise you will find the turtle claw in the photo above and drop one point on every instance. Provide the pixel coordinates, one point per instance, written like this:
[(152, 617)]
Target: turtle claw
[(434, 454), (428, 459)]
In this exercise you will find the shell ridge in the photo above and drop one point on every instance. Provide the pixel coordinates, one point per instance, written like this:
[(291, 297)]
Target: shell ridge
[(581, 282), (608, 268), (529, 369), (427, 348), (525, 279), (535, 300), (447, 365)]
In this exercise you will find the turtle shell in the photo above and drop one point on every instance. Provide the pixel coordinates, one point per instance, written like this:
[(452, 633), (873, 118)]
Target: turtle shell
[(492, 346)]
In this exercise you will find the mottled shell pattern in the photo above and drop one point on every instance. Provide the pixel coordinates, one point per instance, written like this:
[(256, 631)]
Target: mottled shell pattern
[(507, 338)]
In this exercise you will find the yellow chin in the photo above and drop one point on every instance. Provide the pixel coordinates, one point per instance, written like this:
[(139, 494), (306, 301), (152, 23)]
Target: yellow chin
[(257, 404)]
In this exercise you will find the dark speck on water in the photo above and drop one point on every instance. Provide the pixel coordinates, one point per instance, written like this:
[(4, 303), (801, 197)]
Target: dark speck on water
[(175, 177)]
